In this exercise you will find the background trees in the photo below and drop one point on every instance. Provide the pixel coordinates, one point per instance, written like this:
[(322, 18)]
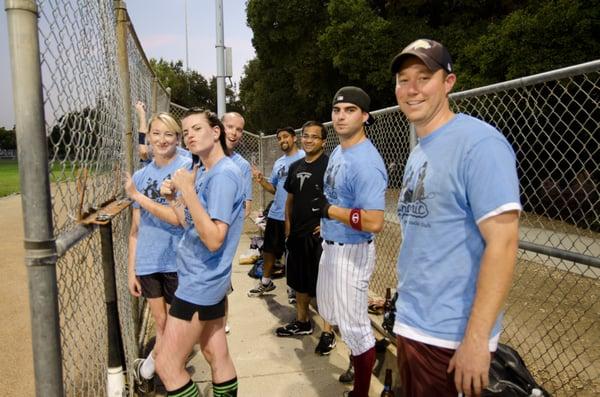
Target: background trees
[(305, 50)]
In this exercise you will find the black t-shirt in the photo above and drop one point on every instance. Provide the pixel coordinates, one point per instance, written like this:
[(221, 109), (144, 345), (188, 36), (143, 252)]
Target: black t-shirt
[(303, 181)]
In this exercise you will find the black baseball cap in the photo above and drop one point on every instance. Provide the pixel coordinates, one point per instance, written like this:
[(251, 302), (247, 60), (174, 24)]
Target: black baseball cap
[(356, 96), (433, 54)]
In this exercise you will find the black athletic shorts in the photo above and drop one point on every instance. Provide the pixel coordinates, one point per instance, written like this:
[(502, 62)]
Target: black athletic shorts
[(156, 285), (274, 242), (303, 258), (185, 310)]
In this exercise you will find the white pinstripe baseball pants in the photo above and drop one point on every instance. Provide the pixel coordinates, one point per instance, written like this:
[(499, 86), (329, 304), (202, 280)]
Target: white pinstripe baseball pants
[(342, 292)]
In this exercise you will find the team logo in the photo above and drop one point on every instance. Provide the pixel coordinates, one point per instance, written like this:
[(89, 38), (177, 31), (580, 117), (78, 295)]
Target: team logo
[(355, 217), (412, 194), (419, 44), (282, 172), (302, 176), (329, 179)]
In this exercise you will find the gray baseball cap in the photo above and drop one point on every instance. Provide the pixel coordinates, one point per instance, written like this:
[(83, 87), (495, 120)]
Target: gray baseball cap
[(433, 54), (356, 96)]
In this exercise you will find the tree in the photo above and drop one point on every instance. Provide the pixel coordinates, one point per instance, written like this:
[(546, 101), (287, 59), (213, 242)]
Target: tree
[(8, 139), (306, 50), (538, 38), (188, 88), (291, 79)]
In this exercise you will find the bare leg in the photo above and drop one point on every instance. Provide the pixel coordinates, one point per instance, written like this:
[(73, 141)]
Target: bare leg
[(269, 261), (177, 342), (213, 343), (302, 301)]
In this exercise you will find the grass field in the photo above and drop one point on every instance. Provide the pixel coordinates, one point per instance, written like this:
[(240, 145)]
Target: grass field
[(9, 177)]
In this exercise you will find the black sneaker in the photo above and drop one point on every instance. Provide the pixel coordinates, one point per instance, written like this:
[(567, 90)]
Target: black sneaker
[(295, 328), (348, 376), (326, 343), (260, 289)]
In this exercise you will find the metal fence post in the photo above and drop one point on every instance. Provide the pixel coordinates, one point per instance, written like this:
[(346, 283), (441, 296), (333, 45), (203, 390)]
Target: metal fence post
[(261, 159), (121, 28), (40, 246), (154, 95), (116, 356), (413, 136)]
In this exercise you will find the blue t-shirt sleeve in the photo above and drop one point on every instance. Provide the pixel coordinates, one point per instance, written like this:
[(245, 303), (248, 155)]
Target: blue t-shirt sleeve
[(222, 190), (371, 183), (491, 176)]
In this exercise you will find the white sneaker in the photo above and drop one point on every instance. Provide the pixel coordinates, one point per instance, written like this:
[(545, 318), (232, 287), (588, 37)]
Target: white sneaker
[(227, 328)]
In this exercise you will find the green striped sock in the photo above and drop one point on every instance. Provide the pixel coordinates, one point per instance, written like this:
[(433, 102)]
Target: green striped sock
[(226, 389), (189, 390)]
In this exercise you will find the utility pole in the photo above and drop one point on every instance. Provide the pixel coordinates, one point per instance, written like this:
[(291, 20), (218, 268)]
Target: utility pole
[(220, 46)]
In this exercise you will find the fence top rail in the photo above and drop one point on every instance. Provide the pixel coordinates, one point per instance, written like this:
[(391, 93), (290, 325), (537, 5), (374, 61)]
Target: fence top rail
[(521, 82), (141, 49)]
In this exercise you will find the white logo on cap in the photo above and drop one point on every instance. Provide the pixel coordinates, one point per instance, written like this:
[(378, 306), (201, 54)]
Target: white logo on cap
[(340, 98), (420, 44)]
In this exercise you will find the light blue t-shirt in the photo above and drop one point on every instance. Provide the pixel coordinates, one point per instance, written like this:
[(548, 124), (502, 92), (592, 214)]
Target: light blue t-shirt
[(157, 240), (355, 178), (458, 175), (246, 174), (277, 179), (205, 276)]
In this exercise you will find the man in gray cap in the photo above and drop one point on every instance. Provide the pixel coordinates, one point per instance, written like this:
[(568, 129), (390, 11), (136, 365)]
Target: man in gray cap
[(459, 217), (351, 208)]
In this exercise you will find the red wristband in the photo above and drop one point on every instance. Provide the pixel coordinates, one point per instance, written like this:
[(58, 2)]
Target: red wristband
[(355, 219)]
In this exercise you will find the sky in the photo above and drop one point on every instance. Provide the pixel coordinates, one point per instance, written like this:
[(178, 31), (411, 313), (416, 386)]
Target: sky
[(160, 26)]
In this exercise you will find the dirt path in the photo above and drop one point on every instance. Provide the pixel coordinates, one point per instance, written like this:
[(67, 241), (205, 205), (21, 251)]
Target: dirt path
[(16, 365)]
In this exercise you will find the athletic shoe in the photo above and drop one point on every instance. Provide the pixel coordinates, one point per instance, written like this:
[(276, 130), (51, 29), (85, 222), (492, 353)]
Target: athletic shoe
[(326, 343), (348, 376), (295, 328), (260, 289), (291, 296), (348, 393), (143, 385), (227, 328)]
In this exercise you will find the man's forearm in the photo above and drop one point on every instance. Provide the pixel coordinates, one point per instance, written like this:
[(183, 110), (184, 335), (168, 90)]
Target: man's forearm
[(267, 186), (371, 220), (493, 285)]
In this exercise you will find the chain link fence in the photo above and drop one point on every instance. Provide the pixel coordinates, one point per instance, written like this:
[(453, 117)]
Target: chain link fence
[(552, 121), (90, 135)]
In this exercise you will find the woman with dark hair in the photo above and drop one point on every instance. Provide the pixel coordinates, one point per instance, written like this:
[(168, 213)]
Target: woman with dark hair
[(208, 202)]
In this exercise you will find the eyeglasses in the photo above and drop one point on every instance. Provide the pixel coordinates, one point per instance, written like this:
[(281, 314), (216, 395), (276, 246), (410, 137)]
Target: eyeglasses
[(310, 137)]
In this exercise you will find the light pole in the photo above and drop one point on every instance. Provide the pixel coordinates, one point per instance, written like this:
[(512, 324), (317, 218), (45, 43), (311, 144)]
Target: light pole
[(220, 46)]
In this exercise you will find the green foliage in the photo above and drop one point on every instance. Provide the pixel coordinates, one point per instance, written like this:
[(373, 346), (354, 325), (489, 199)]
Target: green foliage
[(8, 139), (306, 50), (538, 38), (291, 79), (9, 177), (189, 88)]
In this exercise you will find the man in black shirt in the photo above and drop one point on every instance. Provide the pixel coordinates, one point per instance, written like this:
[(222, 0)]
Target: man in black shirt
[(302, 229)]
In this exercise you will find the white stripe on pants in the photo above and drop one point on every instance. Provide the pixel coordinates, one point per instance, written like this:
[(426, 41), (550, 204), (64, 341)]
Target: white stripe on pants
[(342, 292)]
